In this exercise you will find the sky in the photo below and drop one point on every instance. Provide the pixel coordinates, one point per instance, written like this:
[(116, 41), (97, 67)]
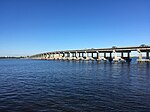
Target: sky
[(29, 27)]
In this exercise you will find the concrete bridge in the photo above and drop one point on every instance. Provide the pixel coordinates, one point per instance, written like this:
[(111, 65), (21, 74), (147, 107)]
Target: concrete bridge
[(116, 54)]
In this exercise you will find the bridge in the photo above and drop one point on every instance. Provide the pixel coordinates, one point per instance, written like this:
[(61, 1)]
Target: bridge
[(115, 54)]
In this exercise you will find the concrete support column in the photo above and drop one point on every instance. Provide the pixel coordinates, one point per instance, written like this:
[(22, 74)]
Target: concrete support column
[(140, 54), (48, 55), (63, 54), (59, 55), (147, 54), (128, 55), (92, 55), (104, 55), (43, 56), (115, 56), (70, 56), (73, 56), (121, 54), (67, 55), (64, 57), (76, 54), (53, 56), (79, 55), (98, 55), (86, 56), (82, 54)]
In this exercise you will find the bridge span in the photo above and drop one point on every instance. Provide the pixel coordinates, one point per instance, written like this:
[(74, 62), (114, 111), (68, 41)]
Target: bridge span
[(116, 54)]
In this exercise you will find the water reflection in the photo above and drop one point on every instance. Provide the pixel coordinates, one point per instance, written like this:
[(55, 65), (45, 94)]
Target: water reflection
[(61, 86)]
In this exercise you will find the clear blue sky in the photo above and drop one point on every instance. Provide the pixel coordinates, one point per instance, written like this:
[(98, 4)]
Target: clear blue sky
[(32, 26)]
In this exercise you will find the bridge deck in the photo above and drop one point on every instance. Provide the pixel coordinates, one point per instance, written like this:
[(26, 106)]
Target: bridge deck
[(119, 49)]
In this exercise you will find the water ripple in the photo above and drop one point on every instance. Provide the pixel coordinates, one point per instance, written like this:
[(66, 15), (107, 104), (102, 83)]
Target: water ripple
[(63, 86)]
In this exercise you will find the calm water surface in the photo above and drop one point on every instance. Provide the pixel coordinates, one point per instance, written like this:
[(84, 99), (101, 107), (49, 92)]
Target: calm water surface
[(63, 86)]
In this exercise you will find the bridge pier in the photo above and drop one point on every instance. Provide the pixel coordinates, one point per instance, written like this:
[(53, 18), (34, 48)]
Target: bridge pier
[(53, 56), (64, 57), (74, 56), (77, 56), (140, 55), (92, 57), (104, 58), (44, 57), (116, 58), (105, 55), (81, 57), (69, 56), (98, 56), (147, 54), (86, 56), (122, 55), (59, 56), (47, 56)]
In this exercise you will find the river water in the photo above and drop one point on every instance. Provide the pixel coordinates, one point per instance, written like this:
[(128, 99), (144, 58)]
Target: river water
[(68, 86)]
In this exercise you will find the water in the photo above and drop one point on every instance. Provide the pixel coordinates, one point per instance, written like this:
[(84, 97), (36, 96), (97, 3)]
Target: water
[(63, 86)]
